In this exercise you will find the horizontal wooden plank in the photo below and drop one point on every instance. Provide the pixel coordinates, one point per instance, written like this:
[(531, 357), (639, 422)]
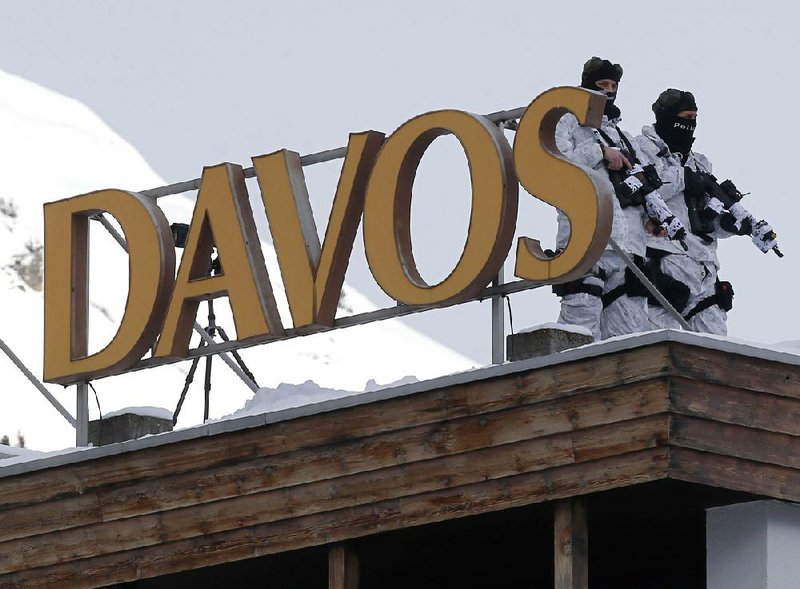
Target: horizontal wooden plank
[(41, 518), (330, 527), (387, 449), (370, 487), (478, 397), (348, 457), (737, 441), (731, 405), (739, 371), (706, 468)]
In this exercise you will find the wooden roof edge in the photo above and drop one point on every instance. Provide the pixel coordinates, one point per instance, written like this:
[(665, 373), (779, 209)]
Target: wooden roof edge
[(615, 345)]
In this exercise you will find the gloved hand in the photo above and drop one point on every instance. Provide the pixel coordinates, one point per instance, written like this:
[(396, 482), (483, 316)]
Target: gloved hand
[(659, 212), (765, 238)]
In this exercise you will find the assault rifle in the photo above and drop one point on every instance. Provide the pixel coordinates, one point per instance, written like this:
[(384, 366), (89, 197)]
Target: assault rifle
[(639, 186), (723, 201)]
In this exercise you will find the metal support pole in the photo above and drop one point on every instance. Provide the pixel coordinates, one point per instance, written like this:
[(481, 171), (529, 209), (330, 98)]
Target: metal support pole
[(649, 285), (35, 382), (112, 230), (82, 412), (498, 323), (498, 313)]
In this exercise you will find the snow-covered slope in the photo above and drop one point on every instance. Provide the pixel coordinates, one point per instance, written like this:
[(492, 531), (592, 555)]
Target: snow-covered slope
[(52, 147)]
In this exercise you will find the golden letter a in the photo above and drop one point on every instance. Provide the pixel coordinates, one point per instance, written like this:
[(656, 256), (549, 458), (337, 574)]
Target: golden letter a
[(223, 219)]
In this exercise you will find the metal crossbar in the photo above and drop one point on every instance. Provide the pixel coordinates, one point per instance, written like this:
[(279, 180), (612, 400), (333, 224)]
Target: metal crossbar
[(307, 160), (39, 386), (399, 310)]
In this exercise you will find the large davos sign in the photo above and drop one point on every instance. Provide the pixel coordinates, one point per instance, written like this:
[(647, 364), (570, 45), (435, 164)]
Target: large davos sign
[(376, 183)]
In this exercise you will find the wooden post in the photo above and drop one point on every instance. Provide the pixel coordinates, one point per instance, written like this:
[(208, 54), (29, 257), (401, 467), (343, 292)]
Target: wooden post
[(342, 568), (571, 544)]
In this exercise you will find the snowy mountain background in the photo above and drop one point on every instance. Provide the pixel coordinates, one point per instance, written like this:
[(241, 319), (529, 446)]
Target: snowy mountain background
[(54, 147)]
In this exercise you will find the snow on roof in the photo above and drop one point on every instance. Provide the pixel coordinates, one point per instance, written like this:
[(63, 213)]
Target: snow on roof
[(7, 452), (285, 396), (560, 326), (24, 456), (158, 412), (793, 346)]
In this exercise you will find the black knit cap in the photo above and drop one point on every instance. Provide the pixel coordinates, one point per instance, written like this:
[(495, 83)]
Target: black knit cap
[(672, 101), (599, 69)]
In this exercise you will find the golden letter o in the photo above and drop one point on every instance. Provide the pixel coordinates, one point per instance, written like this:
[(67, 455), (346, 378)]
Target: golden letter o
[(387, 209)]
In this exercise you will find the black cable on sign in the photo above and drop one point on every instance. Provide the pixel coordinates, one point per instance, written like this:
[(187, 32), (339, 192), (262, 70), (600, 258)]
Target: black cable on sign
[(510, 315), (97, 399)]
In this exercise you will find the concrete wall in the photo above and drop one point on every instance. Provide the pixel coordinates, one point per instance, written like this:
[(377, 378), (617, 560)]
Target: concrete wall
[(753, 546)]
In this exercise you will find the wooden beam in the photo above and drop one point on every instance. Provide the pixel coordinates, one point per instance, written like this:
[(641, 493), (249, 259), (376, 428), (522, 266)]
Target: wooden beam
[(736, 441), (571, 557), (734, 370), (343, 567), (728, 472), (722, 403)]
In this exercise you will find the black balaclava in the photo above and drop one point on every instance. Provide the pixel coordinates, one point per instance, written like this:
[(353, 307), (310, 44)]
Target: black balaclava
[(677, 132), (601, 69)]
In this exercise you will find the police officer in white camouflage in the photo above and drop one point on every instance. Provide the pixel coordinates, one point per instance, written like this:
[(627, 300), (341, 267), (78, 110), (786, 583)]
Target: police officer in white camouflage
[(687, 278), (608, 303)]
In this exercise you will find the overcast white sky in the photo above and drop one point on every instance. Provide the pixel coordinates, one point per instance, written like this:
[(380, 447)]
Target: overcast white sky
[(196, 83)]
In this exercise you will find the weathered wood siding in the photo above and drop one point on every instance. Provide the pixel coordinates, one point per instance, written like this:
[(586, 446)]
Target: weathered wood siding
[(665, 410)]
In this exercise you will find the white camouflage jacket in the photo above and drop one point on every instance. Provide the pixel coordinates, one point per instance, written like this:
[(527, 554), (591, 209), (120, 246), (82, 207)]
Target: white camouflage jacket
[(583, 146), (653, 149)]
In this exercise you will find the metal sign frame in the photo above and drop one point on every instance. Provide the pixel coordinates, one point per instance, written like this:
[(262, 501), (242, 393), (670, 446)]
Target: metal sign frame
[(498, 290)]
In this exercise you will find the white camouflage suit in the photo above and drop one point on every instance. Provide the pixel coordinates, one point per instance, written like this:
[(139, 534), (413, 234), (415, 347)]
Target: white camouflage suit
[(583, 146), (697, 267)]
